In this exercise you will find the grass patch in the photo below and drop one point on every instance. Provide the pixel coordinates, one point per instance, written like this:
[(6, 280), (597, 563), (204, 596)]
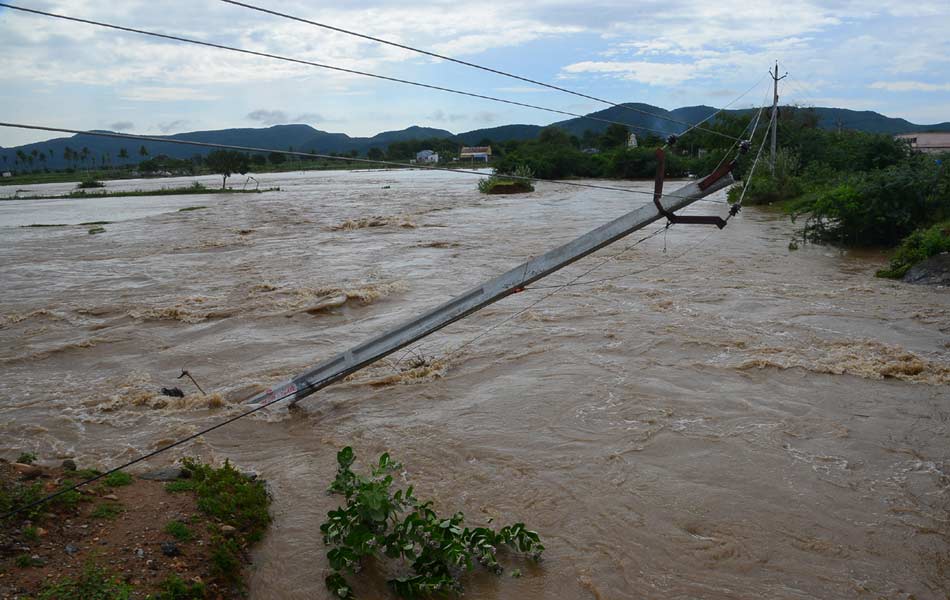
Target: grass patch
[(69, 500), (233, 499), (46, 225), (17, 494), (31, 533), (97, 230), (86, 184), (87, 473), (191, 208), (179, 531), (180, 485), (97, 223), (94, 583), (117, 479), (27, 458), (108, 510), (25, 561), (176, 588)]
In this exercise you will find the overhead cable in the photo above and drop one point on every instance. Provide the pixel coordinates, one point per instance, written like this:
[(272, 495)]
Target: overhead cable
[(299, 61), (481, 67)]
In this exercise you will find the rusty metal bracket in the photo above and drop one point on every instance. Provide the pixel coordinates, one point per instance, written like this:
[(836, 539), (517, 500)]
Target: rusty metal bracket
[(705, 184)]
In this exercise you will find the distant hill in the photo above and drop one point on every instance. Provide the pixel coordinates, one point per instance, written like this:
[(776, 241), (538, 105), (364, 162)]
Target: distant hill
[(306, 138)]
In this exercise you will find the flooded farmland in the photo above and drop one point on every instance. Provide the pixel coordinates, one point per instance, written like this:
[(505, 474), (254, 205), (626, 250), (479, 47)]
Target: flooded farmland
[(712, 415)]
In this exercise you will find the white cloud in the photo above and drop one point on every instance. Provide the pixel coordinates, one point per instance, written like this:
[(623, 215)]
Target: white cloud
[(910, 86), (651, 73), (165, 94)]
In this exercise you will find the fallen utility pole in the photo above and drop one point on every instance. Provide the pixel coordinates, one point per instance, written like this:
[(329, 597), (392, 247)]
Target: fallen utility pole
[(513, 281)]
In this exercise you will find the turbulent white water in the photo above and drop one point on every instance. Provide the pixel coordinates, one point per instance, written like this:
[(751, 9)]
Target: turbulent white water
[(742, 422)]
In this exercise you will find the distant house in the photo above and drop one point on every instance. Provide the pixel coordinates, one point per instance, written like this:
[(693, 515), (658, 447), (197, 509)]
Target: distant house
[(930, 143), (427, 156), (7, 174), (476, 152)]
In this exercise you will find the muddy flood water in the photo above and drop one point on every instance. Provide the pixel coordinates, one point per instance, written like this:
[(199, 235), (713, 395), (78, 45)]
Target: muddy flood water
[(744, 421)]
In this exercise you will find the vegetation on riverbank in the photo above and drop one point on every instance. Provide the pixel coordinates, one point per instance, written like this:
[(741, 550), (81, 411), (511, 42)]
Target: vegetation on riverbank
[(917, 247), (377, 522), (857, 189), (195, 188), (95, 543), (502, 184)]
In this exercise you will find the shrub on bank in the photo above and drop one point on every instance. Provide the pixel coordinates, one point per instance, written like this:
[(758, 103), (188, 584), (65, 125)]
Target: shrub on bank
[(917, 247)]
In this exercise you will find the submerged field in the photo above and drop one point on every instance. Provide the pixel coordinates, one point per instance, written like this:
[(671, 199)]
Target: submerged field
[(741, 422)]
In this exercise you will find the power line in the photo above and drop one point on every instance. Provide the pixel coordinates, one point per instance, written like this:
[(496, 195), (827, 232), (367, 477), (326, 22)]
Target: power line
[(165, 448), (477, 66), (325, 66), (146, 138)]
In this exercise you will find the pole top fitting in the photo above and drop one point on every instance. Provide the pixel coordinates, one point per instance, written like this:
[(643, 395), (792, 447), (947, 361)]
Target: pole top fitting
[(671, 140)]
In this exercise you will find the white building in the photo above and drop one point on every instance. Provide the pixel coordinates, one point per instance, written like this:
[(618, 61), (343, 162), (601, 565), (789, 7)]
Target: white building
[(427, 156), (931, 143), (632, 141), (7, 174)]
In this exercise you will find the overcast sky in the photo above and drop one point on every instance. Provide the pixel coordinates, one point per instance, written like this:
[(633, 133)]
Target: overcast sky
[(891, 56)]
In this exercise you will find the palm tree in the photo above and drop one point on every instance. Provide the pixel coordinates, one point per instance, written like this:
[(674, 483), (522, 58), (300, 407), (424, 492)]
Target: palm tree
[(84, 154), (124, 155), (143, 151)]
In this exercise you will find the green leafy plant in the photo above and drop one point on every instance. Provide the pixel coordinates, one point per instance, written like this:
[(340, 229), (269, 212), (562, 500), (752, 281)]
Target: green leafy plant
[(27, 458), (377, 521)]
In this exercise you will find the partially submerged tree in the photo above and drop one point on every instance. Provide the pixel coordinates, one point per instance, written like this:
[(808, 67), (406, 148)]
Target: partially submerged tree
[(227, 162)]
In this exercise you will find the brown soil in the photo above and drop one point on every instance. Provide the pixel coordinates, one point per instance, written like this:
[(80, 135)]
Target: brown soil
[(127, 545)]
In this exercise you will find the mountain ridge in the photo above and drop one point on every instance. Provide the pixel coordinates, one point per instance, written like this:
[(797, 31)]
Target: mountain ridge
[(301, 137)]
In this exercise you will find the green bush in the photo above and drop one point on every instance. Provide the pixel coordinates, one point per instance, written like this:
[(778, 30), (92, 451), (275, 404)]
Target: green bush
[(376, 521), (27, 458), (878, 207), (766, 188), (918, 246)]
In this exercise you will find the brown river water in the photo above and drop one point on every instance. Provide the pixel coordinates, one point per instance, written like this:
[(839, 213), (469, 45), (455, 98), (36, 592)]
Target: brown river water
[(738, 421)]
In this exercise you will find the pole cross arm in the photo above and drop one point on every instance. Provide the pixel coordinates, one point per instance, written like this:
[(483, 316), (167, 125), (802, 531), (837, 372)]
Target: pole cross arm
[(515, 280)]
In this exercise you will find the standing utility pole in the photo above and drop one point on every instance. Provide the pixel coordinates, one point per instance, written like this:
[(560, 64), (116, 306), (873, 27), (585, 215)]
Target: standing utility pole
[(775, 79)]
